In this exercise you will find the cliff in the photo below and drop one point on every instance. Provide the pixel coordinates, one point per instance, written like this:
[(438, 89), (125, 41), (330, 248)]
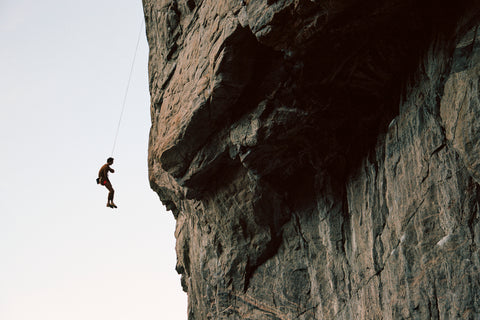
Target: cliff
[(321, 158)]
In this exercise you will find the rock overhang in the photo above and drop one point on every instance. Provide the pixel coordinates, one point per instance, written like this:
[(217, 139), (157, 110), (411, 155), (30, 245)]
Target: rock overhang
[(320, 82)]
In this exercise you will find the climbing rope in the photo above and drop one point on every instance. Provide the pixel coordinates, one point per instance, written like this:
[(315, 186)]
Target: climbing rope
[(126, 90)]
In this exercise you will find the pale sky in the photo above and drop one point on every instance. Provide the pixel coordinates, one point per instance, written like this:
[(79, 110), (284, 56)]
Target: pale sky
[(64, 255)]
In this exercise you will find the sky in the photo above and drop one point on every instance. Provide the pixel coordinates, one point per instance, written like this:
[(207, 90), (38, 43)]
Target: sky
[(64, 68)]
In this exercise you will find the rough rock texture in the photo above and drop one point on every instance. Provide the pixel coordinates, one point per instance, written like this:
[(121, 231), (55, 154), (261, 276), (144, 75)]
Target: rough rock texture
[(322, 158)]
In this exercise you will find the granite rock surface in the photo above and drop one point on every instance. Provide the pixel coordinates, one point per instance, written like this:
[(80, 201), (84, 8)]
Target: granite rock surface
[(321, 158)]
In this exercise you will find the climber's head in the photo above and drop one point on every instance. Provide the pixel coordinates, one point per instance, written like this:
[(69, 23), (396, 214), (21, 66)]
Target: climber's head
[(110, 160)]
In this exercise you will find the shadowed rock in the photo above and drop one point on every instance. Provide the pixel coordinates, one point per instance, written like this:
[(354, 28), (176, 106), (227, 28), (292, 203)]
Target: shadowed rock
[(320, 157)]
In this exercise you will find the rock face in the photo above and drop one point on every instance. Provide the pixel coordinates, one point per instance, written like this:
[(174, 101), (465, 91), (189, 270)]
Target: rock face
[(321, 158)]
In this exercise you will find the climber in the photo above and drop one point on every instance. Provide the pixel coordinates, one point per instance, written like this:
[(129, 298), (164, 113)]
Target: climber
[(103, 180)]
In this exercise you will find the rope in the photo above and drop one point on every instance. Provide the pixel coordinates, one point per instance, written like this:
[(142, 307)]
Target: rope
[(126, 91)]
